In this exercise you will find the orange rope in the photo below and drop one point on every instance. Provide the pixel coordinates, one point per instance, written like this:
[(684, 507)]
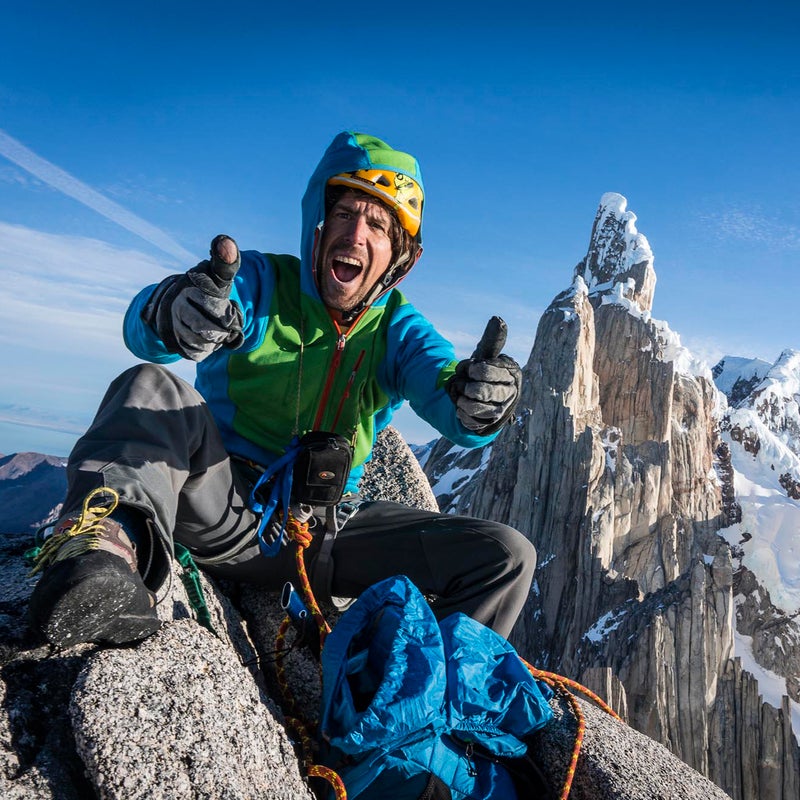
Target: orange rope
[(299, 533), (316, 770), (280, 670), (333, 778), (564, 685)]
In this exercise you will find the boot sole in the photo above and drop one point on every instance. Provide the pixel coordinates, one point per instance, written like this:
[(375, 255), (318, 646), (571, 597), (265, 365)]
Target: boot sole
[(92, 598)]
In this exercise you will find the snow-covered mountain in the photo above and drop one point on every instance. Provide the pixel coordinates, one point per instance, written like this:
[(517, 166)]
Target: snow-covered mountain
[(759, 417), (665, 514), (762, 428), (736, 377)]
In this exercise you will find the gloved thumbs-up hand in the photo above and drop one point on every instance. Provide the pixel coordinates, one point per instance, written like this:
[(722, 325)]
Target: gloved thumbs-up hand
[(223, 266), (192, 313), (485, 388)]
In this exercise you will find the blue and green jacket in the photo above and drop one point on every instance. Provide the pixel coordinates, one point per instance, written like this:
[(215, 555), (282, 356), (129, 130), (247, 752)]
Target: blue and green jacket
[(295, 372)]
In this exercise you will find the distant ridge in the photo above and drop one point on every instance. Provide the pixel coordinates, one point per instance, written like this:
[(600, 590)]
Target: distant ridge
[(28, 484)]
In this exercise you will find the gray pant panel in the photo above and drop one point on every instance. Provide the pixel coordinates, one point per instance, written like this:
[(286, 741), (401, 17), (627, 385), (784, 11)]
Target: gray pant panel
[(154, 441)]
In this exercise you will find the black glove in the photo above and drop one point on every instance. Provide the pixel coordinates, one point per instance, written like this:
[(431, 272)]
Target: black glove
[(485, 388), (191, 313)]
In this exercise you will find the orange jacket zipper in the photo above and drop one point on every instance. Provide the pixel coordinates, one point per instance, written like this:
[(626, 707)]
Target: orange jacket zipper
[(337, 359), (335, 362), (349, 386)]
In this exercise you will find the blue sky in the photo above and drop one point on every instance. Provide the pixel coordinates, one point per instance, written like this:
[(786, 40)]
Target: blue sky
[(162, 124)]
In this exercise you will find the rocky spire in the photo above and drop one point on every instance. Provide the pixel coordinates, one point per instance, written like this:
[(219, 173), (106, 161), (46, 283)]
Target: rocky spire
[(610, 470), (619, 257)]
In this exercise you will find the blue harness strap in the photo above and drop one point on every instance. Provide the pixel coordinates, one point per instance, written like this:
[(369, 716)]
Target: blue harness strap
[(281, 471)]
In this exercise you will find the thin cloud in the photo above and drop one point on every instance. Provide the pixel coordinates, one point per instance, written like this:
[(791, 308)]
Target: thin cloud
[(58, 179), (12, 176), (28, 417), (753, 226), (63, 301), (75, 260)]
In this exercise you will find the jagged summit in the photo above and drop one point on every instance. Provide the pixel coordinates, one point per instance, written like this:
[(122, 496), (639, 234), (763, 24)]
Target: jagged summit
[(777, 398), (736, 377), (618, 254), (774, 400), (762, 429)]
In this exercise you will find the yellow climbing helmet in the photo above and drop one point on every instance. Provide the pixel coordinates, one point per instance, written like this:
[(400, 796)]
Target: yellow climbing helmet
[(396, 189)]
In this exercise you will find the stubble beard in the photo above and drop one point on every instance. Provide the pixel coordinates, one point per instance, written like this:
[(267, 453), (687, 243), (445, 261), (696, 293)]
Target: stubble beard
[(341, 303)]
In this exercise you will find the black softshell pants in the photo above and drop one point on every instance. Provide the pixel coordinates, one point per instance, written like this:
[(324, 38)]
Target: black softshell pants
[(155, 442)]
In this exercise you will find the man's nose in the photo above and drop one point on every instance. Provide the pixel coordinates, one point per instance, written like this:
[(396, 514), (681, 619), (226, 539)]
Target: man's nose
[(357, 229)]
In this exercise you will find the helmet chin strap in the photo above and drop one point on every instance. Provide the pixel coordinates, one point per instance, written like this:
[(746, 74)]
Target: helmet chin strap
[(315, 253)]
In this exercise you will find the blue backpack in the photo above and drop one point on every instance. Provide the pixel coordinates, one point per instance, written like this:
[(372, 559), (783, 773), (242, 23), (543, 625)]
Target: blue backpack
[(415, 708)]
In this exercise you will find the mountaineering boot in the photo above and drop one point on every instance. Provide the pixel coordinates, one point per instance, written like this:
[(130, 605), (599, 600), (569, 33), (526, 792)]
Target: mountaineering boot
[(90, 589)]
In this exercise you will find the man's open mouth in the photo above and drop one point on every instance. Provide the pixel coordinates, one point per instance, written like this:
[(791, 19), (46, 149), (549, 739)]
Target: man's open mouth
[(345, 268)]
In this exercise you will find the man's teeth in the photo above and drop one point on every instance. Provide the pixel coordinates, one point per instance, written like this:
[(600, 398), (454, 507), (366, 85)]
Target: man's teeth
[(346, 268)]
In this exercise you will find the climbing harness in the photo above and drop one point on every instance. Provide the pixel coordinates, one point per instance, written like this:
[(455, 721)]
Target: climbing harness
[(313, 471)]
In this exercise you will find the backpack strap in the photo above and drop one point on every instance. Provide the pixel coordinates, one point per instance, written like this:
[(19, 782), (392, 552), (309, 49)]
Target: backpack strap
[(335, 519), (323, 564)]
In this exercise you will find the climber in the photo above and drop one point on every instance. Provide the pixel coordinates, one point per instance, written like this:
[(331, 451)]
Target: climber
[(320, 349)]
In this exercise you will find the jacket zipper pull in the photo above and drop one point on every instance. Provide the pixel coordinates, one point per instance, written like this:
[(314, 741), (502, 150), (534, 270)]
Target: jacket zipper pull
[(469, 754), (342, 341)]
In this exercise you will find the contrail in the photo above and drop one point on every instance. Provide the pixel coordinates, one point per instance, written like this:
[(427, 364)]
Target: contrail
[(66, 183)]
